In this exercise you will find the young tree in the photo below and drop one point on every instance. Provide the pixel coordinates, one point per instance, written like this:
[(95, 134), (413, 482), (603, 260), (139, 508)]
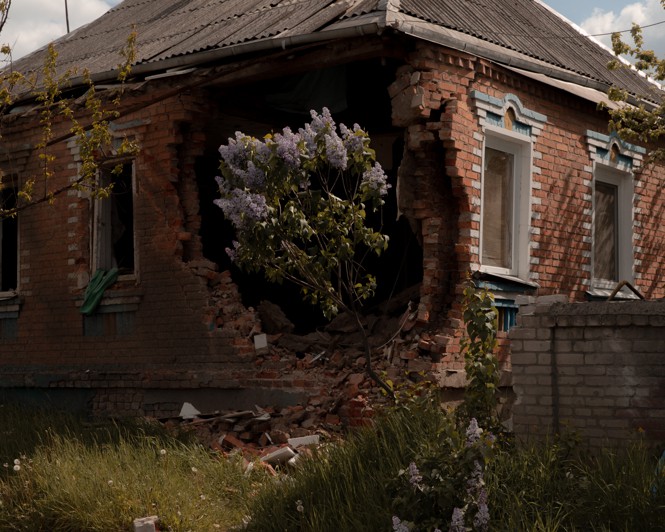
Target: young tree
[(299, 202), (643, 121), (88, 123)]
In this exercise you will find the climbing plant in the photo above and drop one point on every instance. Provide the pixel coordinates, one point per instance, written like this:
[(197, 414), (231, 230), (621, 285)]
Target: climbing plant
[(480, 362)]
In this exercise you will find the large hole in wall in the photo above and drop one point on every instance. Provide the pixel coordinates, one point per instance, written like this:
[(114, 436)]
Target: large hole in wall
[(355, 94)]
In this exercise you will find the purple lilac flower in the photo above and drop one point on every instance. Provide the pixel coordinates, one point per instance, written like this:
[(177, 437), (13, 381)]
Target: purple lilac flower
[(354, 139), (398, 526), (322, 122), (482, 517), (243, 208), (308, 135), (262, 152), (375, 179), (415, 478), (233, 253), (253, 178), (235, 152), (457, 521), (475, 481), (287, 147), (473, 432), (336, 152)]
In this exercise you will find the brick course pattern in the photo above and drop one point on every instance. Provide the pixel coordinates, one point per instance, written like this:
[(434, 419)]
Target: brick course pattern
[(189, 328), (594, 368)]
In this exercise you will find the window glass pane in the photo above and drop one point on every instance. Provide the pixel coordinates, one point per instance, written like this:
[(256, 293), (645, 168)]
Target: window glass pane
[(605, 234), (8, 241), (498, 208)]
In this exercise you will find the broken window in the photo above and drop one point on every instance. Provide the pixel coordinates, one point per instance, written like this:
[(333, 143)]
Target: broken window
[(505, 204), (113, 237), (8, 240), (612, 228)]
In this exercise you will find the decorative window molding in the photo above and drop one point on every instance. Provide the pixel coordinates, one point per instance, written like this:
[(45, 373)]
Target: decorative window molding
[(508, 113), (610, 150), (509, 132), (614, 162)]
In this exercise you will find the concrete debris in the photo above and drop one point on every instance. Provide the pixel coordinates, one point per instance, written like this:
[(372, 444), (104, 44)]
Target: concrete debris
[(279, 457), (260, 342), (304, 441), (188, 411), (146, 524)]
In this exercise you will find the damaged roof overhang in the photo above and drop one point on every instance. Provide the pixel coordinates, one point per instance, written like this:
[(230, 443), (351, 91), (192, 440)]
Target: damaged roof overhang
[(376, 23)]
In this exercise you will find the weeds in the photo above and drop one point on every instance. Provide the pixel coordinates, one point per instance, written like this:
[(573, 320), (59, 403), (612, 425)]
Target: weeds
[(97, 478)]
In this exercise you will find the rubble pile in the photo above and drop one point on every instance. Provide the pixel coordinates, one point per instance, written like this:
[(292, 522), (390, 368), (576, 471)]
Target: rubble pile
[(330, 366)]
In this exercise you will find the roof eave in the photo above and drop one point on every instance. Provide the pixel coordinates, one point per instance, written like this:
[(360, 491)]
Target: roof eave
[(467, 43), (374, 26)]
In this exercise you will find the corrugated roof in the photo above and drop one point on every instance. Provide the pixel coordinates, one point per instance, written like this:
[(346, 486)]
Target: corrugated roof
[(180, 29)]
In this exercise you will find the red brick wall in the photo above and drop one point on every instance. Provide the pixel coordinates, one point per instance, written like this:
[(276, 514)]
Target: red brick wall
[(432, 98), (191, 330)]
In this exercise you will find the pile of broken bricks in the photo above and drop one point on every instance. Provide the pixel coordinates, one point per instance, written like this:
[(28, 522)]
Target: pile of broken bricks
[(329, 366), (259, 435)]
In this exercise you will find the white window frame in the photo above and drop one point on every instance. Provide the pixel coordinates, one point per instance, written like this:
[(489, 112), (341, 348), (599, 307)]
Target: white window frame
[(99, 233), (521, 147), (623, 180)]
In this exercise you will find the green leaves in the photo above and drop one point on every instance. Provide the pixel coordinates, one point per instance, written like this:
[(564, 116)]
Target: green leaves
[(635, 122), (481, 365), (316, 234)]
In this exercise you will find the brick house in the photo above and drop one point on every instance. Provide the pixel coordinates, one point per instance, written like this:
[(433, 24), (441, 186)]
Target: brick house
[(485, 117)]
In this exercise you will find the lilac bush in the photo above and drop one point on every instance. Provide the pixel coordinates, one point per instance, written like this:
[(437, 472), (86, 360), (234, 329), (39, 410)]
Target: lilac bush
[(444, 488), (298, 202)]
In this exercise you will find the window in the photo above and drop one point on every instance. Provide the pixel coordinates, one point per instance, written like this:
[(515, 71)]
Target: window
[(506, 183), (8, 241), (612, 227), (114, 222)]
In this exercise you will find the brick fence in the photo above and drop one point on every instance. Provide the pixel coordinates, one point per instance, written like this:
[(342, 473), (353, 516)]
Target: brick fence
[(594, 368)]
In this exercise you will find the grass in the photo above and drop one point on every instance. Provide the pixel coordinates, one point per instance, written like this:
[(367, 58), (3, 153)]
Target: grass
[(547, 487), (76, 476), (555, 487), (344, 486)]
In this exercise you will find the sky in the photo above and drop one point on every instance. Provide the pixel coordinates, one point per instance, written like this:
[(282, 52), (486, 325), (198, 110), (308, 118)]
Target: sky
[(33, 23), (606, 16)]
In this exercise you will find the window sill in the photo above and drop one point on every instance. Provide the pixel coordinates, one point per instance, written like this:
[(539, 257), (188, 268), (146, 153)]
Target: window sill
[(503, 283), (10, 303), (122, 300)]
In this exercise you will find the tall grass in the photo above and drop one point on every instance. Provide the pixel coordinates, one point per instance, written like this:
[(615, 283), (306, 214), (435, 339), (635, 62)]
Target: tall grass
[(100, 479), (557, 487), (546, 487), (346, 486), (76, 476)]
